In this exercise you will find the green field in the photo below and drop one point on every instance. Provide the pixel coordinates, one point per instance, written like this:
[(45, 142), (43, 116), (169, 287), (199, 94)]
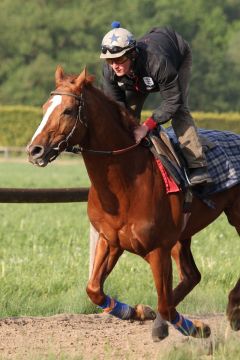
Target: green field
[(45, 250)]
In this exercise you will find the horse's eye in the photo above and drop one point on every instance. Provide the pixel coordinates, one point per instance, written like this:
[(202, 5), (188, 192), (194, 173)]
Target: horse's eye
[(68, 111)]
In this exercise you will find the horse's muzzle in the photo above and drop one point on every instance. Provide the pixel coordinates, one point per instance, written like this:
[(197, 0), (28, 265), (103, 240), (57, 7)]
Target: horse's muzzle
[(40, 156)]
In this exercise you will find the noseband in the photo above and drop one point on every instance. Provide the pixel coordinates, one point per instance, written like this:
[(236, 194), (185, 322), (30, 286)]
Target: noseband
[(83, 120)]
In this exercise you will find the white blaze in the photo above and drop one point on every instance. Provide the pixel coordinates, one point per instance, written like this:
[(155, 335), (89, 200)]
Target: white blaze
[(55, 101)]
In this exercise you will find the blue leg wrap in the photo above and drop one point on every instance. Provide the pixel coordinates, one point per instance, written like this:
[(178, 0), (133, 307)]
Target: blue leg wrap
[(118, 309), (185, 326)]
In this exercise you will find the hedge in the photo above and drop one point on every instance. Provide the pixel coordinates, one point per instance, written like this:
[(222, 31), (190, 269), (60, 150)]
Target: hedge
[(209, 120), (18, 123)]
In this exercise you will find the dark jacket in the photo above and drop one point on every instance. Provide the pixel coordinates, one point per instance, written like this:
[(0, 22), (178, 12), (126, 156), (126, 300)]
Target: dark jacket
[(160, 54)]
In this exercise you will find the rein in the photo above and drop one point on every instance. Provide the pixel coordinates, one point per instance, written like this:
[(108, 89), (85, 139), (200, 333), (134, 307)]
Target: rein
[(81, 118), (77, 150)]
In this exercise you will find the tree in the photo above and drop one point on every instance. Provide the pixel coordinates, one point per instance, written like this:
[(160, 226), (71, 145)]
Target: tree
[(36, 36)]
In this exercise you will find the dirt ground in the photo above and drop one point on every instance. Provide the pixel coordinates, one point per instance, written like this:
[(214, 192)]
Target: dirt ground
[(96, 337)]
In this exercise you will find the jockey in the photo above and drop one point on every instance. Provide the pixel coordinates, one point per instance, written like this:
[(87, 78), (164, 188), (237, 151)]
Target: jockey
[(160, 61)]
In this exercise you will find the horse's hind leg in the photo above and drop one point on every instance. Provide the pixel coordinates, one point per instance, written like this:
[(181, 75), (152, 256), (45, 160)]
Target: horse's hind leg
[(233, 307)]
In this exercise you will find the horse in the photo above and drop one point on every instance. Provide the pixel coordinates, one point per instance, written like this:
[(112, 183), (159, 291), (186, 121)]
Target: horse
[(128, 204)]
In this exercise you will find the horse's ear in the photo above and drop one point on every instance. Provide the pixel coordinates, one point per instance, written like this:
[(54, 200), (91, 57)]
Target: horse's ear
[(59, 75), (88, 78), (84, 77)]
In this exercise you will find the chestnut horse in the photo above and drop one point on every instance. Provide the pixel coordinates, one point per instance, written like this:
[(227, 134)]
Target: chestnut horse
[(128, 204)]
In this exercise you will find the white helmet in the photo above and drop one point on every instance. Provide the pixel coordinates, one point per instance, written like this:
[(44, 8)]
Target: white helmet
[(117, 42)]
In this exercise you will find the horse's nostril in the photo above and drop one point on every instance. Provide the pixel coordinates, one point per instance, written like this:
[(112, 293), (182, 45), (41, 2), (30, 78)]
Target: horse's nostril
[(36, 151)]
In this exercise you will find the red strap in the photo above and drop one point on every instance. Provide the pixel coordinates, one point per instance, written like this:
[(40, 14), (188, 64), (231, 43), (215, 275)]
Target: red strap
[(170, 184)]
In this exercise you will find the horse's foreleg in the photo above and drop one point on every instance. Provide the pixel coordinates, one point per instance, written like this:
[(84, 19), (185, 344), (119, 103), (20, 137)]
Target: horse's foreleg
[(189, 277), (233, 308), (105, 259), (161, 265), (188, 272), (160, 326)]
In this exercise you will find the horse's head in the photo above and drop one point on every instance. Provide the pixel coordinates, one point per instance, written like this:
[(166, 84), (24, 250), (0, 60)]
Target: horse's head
[(62, 124)]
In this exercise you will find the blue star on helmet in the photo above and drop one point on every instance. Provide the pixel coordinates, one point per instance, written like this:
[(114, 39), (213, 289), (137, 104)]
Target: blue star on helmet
[(129, 39), (114, 38)]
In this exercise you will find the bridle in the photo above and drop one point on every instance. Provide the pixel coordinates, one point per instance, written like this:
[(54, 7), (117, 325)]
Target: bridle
[(81, 118), (63, 145)]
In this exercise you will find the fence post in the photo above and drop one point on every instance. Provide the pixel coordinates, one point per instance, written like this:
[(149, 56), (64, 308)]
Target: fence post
[(93, 237)]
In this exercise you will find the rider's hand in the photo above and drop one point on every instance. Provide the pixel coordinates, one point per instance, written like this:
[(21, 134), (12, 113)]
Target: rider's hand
[(140, 132)]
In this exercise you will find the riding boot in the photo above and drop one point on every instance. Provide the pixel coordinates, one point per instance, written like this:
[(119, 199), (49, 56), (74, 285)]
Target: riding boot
[(200, 176)]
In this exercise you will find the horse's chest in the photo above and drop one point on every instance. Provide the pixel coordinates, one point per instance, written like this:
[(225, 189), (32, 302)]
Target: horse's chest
[(123, 238), (136, 239)]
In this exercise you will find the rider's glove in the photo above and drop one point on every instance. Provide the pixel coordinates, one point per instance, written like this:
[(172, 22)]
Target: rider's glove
[(150, 123)]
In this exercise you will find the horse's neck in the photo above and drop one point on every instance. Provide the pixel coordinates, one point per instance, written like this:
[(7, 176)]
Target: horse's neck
[(110, 173), (104, 118)]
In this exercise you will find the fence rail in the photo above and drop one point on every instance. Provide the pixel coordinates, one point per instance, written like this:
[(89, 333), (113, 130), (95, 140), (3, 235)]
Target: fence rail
[(21, 195), (8, 150)]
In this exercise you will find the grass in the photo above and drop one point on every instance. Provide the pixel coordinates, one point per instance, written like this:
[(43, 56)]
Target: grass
[(44, 253), (219, 349)]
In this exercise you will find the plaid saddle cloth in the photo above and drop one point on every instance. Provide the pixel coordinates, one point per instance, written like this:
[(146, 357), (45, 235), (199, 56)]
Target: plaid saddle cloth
[(222, 150)]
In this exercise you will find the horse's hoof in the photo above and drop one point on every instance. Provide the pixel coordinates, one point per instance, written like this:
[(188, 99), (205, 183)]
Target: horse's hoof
[(159, 329), (144, 312), (159, 333), (235, 325), (201, 330), (234, 319)]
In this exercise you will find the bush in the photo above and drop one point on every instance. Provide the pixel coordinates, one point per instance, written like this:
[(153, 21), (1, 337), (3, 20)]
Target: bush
[(18, 123)]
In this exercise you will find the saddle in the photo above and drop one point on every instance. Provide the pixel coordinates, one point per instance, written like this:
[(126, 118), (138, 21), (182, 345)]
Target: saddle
[(170, 155)]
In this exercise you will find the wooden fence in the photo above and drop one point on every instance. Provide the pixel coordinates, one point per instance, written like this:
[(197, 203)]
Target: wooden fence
[(9, 150), (63, 195)]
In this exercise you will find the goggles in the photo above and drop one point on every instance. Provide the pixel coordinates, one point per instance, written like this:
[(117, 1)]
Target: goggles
[(116, 49)]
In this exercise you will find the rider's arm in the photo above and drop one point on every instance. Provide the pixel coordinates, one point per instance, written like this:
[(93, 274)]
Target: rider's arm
[(167, 78)]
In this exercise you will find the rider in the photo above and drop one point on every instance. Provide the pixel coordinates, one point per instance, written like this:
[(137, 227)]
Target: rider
[(160, 61)]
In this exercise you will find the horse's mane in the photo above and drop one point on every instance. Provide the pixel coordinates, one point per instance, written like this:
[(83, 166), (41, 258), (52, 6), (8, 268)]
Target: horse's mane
[(125, 118)]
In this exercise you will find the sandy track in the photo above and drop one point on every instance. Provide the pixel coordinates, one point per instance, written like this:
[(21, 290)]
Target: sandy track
[(95, 337)]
